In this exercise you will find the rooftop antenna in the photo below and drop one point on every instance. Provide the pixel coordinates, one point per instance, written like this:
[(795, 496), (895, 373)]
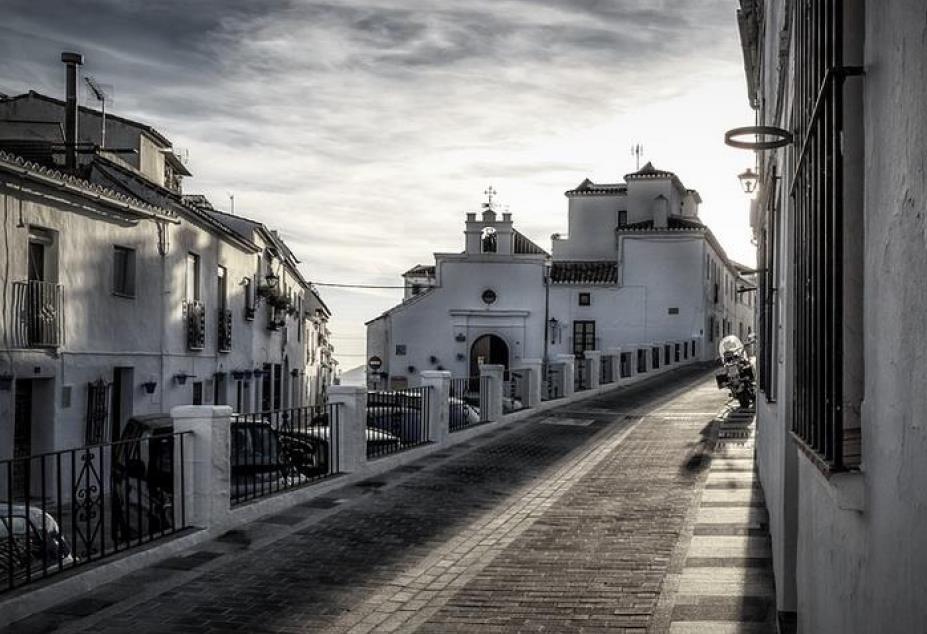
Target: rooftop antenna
[(102, 93), (636, 151), (232, 201)]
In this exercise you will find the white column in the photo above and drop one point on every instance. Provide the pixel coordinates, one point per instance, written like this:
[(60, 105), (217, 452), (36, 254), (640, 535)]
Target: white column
[(439, 382), (493, 399), (593, 358), (568, 362), (351, 401), (614, 358), (207, 464), (534, 380)]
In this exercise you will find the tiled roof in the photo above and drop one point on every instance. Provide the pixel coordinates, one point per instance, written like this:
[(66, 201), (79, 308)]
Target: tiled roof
[(524, 246), (577, 272), (588, 188), (421, 270), (649, 171), (92, 189)]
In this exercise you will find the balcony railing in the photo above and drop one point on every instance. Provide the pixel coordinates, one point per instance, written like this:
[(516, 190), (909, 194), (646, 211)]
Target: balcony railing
[(40, 321), (225, 330), (196, 325)]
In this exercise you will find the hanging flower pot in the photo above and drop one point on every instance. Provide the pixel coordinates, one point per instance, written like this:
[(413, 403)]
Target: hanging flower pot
[(150, 386)]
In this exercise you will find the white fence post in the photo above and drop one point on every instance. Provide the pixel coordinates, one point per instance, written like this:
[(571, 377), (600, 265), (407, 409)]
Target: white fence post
[(207, 464), (439, 383), (534, 380), (494, 388), (594, 360), (351, 401), (568, 361)]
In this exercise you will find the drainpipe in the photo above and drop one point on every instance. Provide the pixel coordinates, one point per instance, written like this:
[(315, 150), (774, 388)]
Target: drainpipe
[(547, 267)]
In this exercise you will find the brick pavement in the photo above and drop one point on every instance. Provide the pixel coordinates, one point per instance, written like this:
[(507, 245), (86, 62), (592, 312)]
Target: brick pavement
[(567, 520)]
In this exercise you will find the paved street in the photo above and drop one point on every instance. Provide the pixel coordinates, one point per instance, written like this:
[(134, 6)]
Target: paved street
[(571, 519)]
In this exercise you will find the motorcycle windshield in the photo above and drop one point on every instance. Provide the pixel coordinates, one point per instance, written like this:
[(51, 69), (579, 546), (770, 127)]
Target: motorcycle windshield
[(730, 345)]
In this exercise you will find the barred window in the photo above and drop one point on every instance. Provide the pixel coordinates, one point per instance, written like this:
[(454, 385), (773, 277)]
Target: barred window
[(818, 263)]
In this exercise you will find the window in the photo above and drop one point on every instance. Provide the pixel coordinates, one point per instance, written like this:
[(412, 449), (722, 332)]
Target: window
[(192, 278), (400, 350), (124, 271), (673, 310), (488, 240), (583, 337), (820, 214), (623, 218), (197, 392), (489, 296), (585, 299), (221, 288)]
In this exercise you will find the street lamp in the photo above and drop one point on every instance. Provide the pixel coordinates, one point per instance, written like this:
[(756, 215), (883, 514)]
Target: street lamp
[(271, 279), (748, 180)]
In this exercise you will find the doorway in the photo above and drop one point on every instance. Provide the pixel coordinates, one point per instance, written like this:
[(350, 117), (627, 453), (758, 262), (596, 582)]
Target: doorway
[(123, 381), (488, 349), (22, 437)]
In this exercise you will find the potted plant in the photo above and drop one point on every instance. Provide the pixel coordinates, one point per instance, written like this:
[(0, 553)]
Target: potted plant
[(151, 385)]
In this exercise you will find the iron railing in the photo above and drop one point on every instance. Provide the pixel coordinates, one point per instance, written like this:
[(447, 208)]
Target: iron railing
[(397, 420), (39, 311), (225, 330), (467, 406), (283, 449), (553, 382), (667, 354), (655, 357), (641, 360), (515, 391), (677, 352), (196, 325), (70, 507), (605, 370)]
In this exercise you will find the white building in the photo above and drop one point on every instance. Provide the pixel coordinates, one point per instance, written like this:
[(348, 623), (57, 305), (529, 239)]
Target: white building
[(638, 266), (840, 223), (121, 296)]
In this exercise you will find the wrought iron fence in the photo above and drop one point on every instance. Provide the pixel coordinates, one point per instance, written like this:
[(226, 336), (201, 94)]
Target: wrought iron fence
[(515, 391), (196, 325), (553, 382), (655, 357), (641, 360), (38, 308), (225, 330), (397, 420), (466, 404), (605, 370), (67, 508), (282, 449)]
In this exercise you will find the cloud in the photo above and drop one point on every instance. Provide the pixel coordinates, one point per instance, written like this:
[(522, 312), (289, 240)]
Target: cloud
[(364, 129)]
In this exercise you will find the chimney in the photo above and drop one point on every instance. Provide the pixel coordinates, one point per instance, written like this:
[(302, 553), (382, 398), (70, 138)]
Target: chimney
[(71, 61)]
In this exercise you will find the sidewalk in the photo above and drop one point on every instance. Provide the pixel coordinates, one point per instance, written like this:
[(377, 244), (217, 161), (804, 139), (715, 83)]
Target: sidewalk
[(564, 521), (726, 583)]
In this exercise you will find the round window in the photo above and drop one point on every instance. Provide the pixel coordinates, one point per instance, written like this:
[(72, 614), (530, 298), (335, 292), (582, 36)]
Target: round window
[(489, 296)]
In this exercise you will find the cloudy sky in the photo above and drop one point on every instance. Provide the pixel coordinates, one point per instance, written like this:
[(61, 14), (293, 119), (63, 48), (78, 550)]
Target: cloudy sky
[(366, 129)]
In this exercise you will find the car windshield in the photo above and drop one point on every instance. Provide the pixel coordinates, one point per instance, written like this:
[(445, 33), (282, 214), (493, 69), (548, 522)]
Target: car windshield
[(254, 445)]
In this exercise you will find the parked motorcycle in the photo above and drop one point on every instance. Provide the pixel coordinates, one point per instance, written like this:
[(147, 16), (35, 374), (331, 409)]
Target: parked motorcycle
[(736, 373)]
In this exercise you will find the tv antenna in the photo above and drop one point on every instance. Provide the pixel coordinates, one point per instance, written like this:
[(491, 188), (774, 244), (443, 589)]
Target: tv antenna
[(102, 93), (637, 150), (232, 202)]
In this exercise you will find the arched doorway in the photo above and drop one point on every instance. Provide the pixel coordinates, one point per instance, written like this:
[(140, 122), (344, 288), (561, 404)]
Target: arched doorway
[(491, 349)]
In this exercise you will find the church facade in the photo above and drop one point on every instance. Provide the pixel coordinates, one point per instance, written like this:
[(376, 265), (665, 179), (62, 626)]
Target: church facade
[(637, 267)]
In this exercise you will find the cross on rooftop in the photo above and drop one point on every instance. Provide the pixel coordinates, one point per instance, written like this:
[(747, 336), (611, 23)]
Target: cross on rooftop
[(490, 192)]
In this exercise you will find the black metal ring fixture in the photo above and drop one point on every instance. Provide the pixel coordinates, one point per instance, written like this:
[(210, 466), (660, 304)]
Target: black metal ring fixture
[(780, 138)]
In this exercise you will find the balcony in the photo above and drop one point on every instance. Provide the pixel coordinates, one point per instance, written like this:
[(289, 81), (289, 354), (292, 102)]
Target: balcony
[(225, 330), (39, 314), (196, 325)]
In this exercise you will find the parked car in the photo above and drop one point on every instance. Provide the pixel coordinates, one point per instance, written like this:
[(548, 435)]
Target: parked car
[(398, 413), (462, 413), (30, 542)]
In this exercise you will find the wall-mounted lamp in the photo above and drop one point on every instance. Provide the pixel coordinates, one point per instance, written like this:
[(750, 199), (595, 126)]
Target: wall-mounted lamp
[(272, 279), (554, 329), (150, 386), (748, 180)]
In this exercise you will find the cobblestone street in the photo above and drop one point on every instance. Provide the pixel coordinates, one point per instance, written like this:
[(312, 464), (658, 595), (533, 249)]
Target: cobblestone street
[(570, 519)]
